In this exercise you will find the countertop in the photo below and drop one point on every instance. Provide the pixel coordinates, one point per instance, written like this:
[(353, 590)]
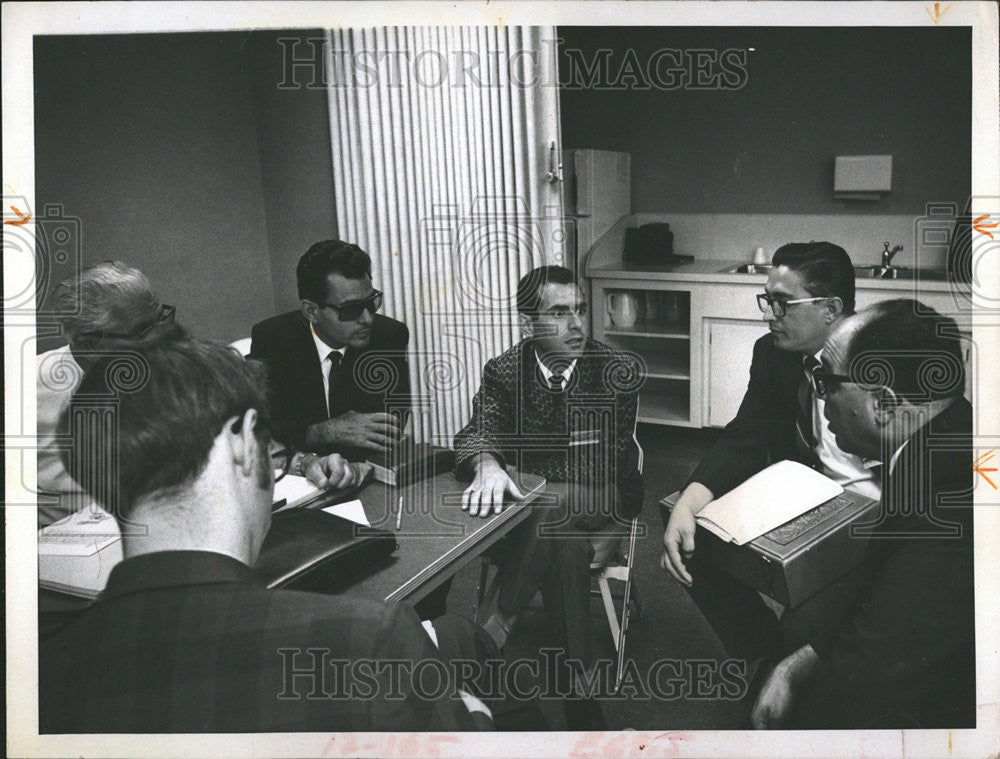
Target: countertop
[(713, 272)]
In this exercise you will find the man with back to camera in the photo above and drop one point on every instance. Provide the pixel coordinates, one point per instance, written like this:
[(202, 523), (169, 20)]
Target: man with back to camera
[(809, 292), (902, 654), (336, 367), (186, 638), (531, 411)]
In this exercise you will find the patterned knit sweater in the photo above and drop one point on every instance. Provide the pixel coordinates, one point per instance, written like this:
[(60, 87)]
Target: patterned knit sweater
[(583, 434)]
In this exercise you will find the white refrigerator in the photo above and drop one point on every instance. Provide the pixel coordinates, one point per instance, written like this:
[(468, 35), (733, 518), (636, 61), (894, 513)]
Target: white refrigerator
[(597, 192)]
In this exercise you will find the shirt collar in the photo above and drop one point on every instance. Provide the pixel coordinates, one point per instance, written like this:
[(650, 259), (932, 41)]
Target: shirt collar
[(163, 569), (895, 456), (548, 373), (322, 348)]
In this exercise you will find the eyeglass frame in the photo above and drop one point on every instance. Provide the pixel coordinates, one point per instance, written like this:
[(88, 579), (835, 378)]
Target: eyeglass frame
[(580, 311), (166, 315), (285, 455), (765, 301), (372, 303), (821, 378)]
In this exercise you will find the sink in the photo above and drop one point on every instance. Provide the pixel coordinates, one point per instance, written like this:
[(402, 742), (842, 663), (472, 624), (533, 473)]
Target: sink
[(749, 269), (900, 272), (860, 272)]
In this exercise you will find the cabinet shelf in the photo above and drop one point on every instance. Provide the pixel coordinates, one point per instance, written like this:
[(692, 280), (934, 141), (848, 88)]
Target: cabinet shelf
[(667, 367), (664, 408), (665, 331)]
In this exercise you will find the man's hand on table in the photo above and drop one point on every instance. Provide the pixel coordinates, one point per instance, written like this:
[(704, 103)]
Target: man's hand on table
[(331, 472), (678, 538), (374, 431), (489, 487)]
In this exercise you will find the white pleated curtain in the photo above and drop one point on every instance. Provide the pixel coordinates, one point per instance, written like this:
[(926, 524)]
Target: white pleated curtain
[(442, 137)]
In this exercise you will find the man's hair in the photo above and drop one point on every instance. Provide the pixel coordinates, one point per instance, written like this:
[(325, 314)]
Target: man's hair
[(156, 411), (529, 289), (109, 297), (325, 258), (910, 348), (826, 269)]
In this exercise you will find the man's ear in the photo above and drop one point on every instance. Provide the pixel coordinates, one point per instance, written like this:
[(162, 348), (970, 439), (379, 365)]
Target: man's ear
[(527, 325), (886, 404), (243, 443), (834, 309), (309, 310)]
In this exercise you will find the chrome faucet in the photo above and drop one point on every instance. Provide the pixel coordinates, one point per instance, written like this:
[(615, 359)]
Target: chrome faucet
[(887, 256)]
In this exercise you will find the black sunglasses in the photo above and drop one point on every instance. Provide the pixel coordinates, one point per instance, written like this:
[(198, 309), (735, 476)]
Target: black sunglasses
[(825, 382), (351, 312), (166, 316)]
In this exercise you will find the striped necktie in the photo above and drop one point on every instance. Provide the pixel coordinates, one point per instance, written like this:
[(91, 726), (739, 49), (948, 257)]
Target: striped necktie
[(804, 406)]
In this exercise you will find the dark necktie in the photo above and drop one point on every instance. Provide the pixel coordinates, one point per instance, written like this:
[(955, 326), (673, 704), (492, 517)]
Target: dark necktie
[(804, 406), (556, 383), (335, 358)]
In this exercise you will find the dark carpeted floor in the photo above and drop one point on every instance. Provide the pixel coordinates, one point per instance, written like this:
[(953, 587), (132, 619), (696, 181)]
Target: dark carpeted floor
[(674, 652)]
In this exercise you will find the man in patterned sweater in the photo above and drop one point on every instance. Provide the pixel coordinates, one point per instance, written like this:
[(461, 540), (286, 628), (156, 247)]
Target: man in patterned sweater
[(562, 406)]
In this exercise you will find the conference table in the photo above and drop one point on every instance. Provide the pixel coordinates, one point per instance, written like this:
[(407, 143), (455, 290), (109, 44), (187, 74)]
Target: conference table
[(436, 538)]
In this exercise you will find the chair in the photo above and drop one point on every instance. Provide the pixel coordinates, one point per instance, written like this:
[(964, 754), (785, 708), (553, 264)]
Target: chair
[(610, 563), (242, 345)]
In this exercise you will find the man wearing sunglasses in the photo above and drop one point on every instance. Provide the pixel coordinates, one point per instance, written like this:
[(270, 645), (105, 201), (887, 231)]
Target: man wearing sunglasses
[(337, 369), (808, 294), (109, 308), (902, 654)]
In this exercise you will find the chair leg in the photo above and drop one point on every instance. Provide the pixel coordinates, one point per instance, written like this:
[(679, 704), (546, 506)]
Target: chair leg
[(477, 605)]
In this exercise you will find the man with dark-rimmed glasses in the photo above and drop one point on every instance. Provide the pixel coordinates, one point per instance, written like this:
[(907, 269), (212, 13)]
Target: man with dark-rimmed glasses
[(108, 309), (809, 291), (336, 367)]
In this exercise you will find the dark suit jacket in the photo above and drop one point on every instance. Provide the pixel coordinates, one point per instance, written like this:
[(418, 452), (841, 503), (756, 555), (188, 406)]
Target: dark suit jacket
[(763, 431), (190, 641), (519, 421), (374, 378), (904, 655)]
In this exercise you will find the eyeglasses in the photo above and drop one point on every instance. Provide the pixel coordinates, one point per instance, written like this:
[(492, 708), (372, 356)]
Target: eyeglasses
[(281, 461), (778, 306), (825, 382), (564, 313), (165, 316), (351, 312)]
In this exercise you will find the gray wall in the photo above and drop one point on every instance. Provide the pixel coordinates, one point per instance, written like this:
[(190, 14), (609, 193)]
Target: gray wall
[(810, 95), (180, 156)]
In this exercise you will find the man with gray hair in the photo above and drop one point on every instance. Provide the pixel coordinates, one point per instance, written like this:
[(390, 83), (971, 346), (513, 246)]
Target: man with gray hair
[(108, 308)]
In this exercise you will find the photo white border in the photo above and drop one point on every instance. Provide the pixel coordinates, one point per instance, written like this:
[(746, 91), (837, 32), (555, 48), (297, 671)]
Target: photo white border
[(22, 21)]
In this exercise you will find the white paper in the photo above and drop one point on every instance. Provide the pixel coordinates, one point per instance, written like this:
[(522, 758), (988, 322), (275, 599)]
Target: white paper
[(293, 490), (767, 500), (352, 510)]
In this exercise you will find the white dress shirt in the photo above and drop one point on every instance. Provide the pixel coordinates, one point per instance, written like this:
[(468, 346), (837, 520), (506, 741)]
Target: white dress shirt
[(548, 373), (847, 470), (323, 350)]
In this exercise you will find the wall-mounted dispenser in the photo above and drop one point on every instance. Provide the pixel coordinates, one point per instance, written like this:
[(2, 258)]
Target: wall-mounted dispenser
[(862, 177)]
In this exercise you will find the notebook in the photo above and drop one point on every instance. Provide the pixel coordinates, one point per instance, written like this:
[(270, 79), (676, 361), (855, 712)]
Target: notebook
[(311, 549)]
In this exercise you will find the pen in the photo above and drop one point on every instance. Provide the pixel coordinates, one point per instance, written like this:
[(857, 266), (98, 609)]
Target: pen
[(399, 513)]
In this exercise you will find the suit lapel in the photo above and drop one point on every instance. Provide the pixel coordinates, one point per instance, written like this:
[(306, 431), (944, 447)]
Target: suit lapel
[(312, 373)]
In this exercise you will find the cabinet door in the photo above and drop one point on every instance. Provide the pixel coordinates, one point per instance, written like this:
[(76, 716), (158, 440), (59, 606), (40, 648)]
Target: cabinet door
[(730, 350)]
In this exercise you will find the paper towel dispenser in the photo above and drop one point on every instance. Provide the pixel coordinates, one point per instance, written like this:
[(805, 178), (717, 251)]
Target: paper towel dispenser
[(862, 177)]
